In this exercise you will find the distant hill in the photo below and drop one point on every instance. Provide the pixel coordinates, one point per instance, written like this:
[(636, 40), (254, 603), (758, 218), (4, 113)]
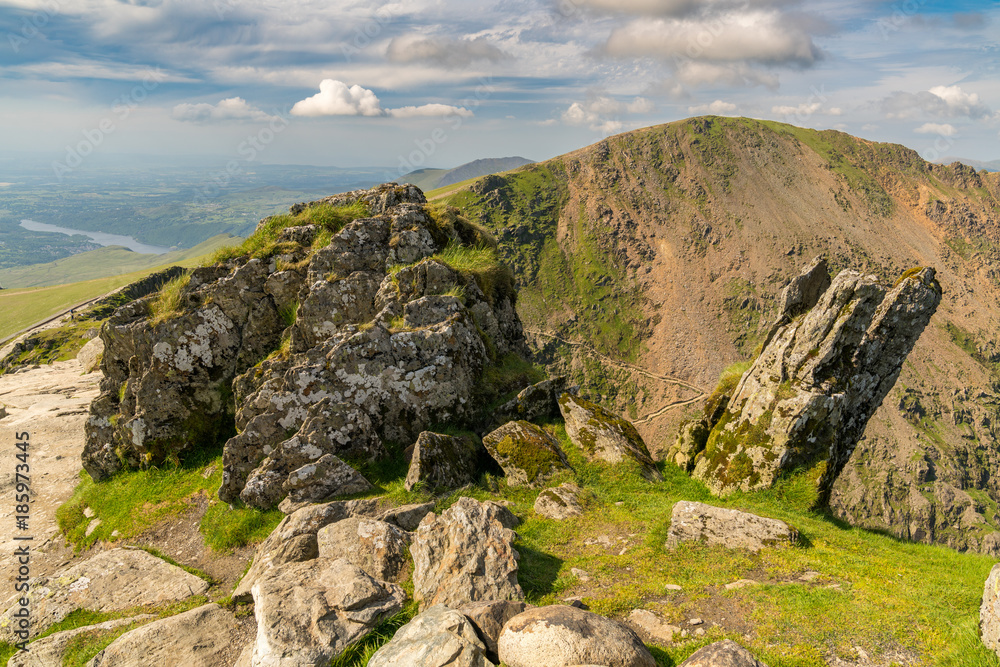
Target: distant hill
[(992, 165), (429, 179), (650, 261)]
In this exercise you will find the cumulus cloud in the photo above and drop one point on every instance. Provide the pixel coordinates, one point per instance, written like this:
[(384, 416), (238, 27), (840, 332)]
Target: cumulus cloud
[(600, 112), (336, 98), (718, 108), (232, 109), (943, 129), (939, 102), (640, 105), (804, 109), (675, 8), (763, 37), (442, 51)]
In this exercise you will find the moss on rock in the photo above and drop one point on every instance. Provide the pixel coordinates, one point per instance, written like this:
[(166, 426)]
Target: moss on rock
[(528, 454)]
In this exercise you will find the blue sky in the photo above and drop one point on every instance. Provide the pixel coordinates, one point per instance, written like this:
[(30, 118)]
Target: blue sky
[(413, 83)]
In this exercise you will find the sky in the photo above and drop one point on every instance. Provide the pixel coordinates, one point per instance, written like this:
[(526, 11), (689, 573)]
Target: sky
[(435, 83)]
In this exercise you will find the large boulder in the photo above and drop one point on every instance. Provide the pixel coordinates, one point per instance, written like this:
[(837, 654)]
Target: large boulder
[(113, 580), (466, 555), (528, 454), (539, 401), (309, 612), (560, 635), (336, 337), (294, 539), (49, 650), (733, 529), (442, 462), (805, 401), (726, 653), (603, 436), (561, 502), (377, 547), (489, 618), (989, 611), (438, 637), (196, 638)]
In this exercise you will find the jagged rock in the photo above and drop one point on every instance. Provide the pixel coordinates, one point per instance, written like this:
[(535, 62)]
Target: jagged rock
[(539, 401), (49, 651), (562, 635), (438, 637), (466, 555), (489, 618), (561, 502), (309, 612), (654, 627), (407, 517), (733, 529), (113, 580), (441, 462), (805, 290), (376, 547), (603, 436), (528, 454), (726, 653), (196, 638), (294, 539), (90, 355), (989, 611), (690, 441), (371, 354), (807, 398)]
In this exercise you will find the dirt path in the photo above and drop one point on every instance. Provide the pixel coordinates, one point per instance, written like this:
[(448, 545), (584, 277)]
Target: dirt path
[(51, 404), (635, 369)]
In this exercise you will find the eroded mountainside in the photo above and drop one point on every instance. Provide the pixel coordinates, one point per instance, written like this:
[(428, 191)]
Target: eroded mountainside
[(651, 261)]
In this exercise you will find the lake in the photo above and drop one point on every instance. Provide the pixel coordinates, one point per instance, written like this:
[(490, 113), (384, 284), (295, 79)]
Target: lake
[(97, 237)]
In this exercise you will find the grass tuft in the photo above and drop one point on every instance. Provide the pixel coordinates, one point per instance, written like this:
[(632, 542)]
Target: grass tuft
[(168, 303)]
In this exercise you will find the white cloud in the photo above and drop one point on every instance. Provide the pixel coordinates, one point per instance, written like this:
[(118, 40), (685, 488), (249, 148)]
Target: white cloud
[(600, 112), (718, 108), (640, 105), (429, 110), (943, 129), (675, 8), (234, 108), (336, 98), (939, 102), (804, 109)]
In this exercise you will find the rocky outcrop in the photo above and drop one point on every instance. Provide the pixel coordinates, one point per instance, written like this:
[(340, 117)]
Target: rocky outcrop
[(562, 635), (438, 637), (539, 401), (113, 580), (49, 651), (989, 611), (196, 638), (603, 436), (377, 547), (733, 529), (349, 322), (726, 653), (309, 612), (442, 462), (466, 555), (807, 398), (560, 502), (528, 454)]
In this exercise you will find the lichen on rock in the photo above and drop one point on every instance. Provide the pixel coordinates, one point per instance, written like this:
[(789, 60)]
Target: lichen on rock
[(528, 454)]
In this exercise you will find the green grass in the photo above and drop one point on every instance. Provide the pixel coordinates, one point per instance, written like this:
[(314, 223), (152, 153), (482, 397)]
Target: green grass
[(226, 528), (168, 302), (359, 653)]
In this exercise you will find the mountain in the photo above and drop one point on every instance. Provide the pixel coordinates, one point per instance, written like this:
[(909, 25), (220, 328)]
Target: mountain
[(992, 165), (649, 263), (430, 179)]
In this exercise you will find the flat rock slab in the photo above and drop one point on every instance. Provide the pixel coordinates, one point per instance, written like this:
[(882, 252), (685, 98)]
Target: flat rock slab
[(733, 529), (560, 635), (726, 653), (113, 580), (603, 436), (989, 611), (438, 637), (466, 555), (49, 651), (196, 638), (309, 612), (654, 627)]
